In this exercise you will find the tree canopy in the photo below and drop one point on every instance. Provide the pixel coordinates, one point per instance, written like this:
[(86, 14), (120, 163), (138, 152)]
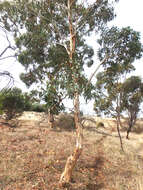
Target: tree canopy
[(12, 103), (122, 47), (132, 99), (50, 37)]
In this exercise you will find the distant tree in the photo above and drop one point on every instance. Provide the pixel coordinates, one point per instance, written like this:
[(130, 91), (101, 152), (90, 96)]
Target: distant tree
[(108, 99), (32, 102), (12, 103), (132, 98), (37, 107), (122, 46)]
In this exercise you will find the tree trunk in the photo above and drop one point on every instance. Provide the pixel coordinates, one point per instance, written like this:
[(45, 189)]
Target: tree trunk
[(72, 160), (51, 120), (118, 129), (119, 122), (128, 131), (131, 122)]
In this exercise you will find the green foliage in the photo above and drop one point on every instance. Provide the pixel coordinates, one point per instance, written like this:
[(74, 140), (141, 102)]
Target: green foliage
[(37, 108), (41, 34), (119, 98), (122, 46), (133, 97), (12, 103), (1, 104), (53, 98), (106, 95)]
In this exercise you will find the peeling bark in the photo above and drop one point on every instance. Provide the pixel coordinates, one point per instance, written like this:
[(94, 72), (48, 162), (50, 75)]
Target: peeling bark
[(70, 165), (72, 160)]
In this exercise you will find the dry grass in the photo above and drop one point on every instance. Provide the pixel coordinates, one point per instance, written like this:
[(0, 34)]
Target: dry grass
[(33, 158)]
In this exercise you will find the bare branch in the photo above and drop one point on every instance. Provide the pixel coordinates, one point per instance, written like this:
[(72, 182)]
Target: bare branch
[(10, 78), (9, 44), (103, 61), (9, 56), (65, 46), (4, 51)]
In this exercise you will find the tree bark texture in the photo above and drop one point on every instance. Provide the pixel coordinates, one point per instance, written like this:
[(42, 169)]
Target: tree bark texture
[(132, 117), (72, 160), (119, 122), (50, 120), (118, 129), (128, 131)]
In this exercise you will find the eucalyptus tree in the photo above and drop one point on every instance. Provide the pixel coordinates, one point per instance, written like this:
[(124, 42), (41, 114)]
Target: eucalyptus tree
[(132, 99), (108, 99), (50, 39), (123, 47)]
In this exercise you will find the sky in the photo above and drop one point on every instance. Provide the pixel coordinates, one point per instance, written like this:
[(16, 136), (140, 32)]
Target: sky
[(129, 13)]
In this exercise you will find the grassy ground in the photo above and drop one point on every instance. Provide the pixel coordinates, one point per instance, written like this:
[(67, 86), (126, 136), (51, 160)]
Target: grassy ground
[(33, 158)]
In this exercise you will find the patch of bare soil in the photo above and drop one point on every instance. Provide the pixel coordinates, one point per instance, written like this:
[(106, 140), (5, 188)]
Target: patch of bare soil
[(32, 157)]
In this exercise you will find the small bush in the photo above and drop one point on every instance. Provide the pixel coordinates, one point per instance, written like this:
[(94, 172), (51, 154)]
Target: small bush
[(66, 122), (12, 103), (100, 124), (37, 108), (137, 129)]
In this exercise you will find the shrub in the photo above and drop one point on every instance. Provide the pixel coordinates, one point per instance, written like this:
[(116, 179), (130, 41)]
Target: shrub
[(66, 122), (38, 108), (12, 103), (100, 124)]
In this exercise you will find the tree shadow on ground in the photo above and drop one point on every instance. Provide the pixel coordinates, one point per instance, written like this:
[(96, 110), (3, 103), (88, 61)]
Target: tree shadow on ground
[(97, 168)]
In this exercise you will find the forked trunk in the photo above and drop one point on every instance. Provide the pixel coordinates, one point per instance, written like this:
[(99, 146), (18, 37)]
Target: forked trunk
[(72, 160)]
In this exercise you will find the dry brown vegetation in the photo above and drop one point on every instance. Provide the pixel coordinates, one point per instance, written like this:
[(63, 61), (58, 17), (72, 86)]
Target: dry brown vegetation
[(32, 157)]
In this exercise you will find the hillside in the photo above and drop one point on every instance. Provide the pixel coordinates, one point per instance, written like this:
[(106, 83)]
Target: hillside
[(32, 157)]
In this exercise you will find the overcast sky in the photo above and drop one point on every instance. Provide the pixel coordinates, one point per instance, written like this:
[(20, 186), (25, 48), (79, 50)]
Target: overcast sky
[(129, 13)]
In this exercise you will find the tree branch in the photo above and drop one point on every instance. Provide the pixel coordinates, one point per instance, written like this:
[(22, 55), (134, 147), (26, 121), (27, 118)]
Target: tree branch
[(92, 75), (8, 47), (11, 79), (4, 51), (9, 56)]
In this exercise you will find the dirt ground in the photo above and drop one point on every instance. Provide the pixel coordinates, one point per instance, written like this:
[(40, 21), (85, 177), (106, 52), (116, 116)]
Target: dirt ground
[(32, 157)]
